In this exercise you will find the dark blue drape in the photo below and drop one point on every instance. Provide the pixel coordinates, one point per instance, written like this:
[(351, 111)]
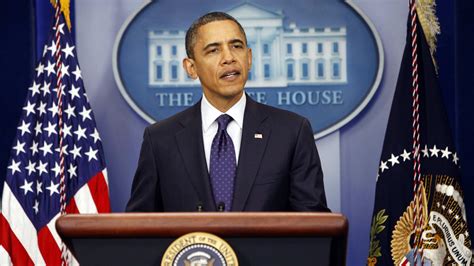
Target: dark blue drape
[(17, 53), (455, 56), (464, 130)]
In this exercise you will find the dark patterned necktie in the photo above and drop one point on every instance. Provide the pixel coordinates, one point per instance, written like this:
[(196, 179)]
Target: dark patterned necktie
[(222, 165)]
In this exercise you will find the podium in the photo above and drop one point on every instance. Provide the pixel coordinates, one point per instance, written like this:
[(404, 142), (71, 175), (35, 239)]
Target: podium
[(264, 238)]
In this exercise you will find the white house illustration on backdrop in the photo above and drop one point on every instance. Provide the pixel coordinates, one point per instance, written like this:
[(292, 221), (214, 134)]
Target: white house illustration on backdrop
[(282, 55)]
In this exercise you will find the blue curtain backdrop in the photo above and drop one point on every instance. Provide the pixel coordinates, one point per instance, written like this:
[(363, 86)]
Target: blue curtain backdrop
[(16, 67), (464, 97), (455, 55)]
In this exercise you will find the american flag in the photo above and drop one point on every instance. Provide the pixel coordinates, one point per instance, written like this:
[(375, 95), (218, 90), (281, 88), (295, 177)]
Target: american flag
[(31, 195)]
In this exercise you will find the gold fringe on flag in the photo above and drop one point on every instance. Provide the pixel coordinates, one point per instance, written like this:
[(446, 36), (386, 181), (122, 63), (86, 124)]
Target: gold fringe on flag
[(426, 10), (65, 9)]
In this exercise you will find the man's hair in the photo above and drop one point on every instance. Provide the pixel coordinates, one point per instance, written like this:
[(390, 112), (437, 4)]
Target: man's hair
[(192, 33)]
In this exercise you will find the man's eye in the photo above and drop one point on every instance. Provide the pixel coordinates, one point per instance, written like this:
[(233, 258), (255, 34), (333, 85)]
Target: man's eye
[(238, 46), (212, 51)]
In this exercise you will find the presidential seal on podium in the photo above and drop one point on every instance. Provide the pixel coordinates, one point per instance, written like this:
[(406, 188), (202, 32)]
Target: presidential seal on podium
[(199, 249)]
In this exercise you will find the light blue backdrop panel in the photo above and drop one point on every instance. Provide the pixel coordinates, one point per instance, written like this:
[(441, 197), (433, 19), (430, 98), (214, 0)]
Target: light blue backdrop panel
[(362, 59)]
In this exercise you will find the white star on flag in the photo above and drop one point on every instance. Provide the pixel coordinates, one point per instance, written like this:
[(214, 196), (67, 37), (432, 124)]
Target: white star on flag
[(29, 108), (95, 135), (383, 166), (86, 114), (45, 88), (56, 169), (72, 171), (65, 70), (68, 51), (53, 188), (34, 148), (24, 128), (70, 111), (31, 167), (51, 129), (74, 92), (394, 160), (405, 155), (64, 150), (52, 48), (76, 151), (50, 68), (35, 88), (20, 147), (36, 206), (27, 187), (445, 153), (46, 148), (42, 168), (38, 129), (80, 132), (434, 151), (61, 29), (39, 187), (41, 108), (77, 73), (91, 154), (39, 69), (67, 131), (425, 152), (15, 167), (53, 109), (455, 158)]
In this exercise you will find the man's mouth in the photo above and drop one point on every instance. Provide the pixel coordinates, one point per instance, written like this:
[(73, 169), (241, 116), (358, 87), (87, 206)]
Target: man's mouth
[(230, 75)]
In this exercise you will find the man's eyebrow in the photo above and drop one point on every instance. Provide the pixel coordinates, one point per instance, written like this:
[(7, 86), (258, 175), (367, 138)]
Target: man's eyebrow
[(236, 41), (211, 45), (219, 43)]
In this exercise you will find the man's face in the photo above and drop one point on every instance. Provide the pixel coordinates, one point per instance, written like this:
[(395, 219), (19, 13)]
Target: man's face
[(221, 61)]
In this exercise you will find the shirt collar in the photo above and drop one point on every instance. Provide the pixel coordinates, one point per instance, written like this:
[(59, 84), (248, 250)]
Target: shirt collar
[(209, 113)]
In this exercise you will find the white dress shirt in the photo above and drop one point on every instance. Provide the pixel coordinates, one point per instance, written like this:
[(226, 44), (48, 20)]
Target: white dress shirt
[(209, 115)]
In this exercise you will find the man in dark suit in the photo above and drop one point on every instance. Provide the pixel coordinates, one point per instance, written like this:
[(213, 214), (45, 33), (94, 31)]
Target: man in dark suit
[(227, 152)]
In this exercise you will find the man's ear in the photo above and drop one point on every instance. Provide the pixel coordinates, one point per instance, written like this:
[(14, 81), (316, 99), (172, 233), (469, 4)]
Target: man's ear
[(189, 67), (249, 51)]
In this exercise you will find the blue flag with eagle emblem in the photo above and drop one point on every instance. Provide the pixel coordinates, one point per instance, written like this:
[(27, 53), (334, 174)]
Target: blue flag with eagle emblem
[(445, 239)]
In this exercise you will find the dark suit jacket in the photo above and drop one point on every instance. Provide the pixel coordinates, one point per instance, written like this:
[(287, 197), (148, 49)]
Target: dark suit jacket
[(279, 172)]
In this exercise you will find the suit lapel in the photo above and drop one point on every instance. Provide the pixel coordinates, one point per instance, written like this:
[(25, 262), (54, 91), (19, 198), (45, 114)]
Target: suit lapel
[(191, 147), (252, 149)]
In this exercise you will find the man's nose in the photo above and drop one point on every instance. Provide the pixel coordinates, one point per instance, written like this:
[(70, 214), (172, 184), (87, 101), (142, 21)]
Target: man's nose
[(227, 56)]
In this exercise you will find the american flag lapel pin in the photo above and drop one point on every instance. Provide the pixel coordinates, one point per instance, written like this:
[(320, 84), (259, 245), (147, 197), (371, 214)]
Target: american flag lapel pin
[(258, 136)]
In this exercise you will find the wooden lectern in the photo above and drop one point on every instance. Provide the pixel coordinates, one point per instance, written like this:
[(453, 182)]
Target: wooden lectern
[(257, 238)]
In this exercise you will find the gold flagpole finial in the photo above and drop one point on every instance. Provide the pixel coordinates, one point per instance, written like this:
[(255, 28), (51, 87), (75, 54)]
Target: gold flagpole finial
[(65, 4)]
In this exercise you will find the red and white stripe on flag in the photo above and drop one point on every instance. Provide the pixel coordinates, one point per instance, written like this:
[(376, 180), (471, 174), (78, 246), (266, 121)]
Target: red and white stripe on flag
[(22, 244)]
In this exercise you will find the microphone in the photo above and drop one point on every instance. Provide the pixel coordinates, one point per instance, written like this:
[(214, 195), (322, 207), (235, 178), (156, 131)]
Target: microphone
[(199, 207), (221, 206)]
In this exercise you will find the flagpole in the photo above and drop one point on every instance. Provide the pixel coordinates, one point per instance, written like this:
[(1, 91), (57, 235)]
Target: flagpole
[(417, 192), (62, 183)]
